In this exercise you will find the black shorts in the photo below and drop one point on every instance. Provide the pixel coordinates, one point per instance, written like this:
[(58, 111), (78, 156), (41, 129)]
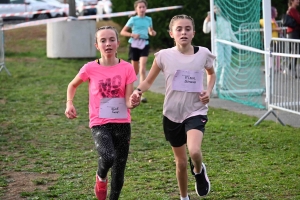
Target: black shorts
[(175, 133), (135, 53)]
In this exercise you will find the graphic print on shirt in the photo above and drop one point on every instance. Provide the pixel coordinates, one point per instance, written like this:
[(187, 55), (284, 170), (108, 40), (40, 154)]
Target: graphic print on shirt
[(110, 87)]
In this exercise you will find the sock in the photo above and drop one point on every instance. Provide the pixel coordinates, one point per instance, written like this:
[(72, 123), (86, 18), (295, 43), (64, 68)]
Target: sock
[(199, 172), (101, 179), (184, 198)]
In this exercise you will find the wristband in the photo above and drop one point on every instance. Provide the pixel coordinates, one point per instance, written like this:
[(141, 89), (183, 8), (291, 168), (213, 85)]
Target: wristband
[(138, 89), (69, 100)]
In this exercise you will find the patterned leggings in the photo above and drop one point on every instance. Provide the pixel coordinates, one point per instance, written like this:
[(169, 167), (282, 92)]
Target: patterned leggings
[(112, 144)]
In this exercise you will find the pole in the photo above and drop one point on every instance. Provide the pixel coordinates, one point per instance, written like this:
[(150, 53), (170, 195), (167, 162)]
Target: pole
[(267, 40), (72, 8), (212, 25)]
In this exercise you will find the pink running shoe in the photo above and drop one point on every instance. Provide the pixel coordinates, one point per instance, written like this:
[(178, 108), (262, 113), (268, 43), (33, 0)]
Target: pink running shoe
[(100, 189)]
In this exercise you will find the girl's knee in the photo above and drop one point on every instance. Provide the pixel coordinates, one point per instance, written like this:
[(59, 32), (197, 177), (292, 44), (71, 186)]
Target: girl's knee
[(195, 154), (181, 164)]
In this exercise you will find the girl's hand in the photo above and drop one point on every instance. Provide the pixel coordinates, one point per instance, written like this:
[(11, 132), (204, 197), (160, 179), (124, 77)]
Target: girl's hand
[(204, 97), (207, 18), (70, 111), (135, 36), (153, 33), (135, 98)]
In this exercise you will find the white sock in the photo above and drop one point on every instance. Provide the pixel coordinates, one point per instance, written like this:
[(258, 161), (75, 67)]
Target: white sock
[(100, 179), (185, 198), (199, 172)]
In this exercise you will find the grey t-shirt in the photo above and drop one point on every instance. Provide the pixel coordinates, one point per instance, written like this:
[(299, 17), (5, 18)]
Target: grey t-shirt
[(179, 105)]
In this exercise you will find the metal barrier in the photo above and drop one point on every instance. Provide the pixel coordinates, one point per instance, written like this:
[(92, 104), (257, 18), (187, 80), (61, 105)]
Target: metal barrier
[(284, 77), (2, 53)]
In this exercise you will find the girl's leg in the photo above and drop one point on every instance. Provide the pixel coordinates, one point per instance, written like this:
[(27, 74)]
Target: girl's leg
[(181, 169), (143, 64), (194, 141), (135, 64), (121, 140), (105, 148)]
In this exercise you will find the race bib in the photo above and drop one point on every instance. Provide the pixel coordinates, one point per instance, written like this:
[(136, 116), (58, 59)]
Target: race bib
[(138, 43), (113, 108), (188, 81)]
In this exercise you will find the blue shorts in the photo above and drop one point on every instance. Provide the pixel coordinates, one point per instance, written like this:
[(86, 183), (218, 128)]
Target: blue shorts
[(175, 133)]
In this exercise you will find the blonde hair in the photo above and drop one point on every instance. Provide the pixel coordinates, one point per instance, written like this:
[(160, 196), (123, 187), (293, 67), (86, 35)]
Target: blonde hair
[(176, 17)]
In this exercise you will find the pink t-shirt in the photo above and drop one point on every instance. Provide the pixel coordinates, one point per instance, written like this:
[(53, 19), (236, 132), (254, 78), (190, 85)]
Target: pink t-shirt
[(106, 82), (179, 105)]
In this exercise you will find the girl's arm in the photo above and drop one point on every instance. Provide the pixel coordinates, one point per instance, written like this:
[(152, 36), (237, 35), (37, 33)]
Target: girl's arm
[(125, 32), (211, 78), (207, 25), (70, 109), (128, 92), (151, 31), (146, 84)]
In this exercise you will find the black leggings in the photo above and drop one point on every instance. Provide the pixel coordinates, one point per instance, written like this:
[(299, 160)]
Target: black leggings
[(294, 50), (112, 144)]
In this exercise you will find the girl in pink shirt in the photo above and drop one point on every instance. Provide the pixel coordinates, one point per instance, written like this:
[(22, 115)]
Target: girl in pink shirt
[(110, 86), (185, 105)]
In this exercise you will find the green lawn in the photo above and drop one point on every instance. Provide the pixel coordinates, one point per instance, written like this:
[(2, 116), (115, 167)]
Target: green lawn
[(46, 156)]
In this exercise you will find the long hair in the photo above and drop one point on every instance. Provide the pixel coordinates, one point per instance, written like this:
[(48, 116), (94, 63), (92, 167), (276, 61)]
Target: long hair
[(273, 12)]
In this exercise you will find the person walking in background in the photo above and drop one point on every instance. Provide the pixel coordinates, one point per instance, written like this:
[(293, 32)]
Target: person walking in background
[(104, 7), (110, 86), (223, 51), (185, 105), (293, 33), (140, 25), (276, 30)]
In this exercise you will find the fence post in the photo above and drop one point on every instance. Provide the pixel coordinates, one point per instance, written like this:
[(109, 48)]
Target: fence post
[(2, 53)]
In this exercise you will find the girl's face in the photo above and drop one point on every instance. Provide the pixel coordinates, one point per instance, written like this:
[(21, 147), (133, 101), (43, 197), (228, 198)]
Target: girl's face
[(141, 9), (182, 31), (295, 3), (107, 42)]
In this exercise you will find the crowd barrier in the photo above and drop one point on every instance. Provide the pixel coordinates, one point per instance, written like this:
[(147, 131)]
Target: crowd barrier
[(117, 14), (283, 77), (42, 11)]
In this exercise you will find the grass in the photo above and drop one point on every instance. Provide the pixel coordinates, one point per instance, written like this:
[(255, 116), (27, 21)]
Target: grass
[(46, 156)]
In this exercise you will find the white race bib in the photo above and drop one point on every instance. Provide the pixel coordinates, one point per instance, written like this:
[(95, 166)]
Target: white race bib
[(138, 43), (188, 81), (113, 108)]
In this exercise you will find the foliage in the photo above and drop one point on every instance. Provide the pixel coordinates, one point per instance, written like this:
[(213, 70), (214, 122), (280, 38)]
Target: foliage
[(196, 9)]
